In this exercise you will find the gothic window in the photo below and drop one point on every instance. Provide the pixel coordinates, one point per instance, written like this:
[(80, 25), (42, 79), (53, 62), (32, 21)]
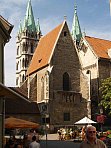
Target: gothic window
[(23, 63), (66, 116), (20, 77), (66, 82), (46, 85), (23, 78), (42, 88), (65, 33), (26, 62), (17, 81), (17, 66), (26, 46), (20, 64), (18, 50), (31, 48)]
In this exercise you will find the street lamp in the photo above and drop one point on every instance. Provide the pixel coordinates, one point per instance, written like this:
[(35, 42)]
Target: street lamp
[(89, 94)]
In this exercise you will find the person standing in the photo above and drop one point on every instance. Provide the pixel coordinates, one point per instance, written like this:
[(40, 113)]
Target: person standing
[(34, 144), (91, 139)]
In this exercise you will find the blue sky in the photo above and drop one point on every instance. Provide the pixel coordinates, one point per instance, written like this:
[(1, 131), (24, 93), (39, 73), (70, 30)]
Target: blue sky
[(94, 17)]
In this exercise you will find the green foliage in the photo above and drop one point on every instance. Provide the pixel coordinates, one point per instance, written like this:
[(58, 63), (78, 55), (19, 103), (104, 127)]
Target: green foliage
[(105, 90)]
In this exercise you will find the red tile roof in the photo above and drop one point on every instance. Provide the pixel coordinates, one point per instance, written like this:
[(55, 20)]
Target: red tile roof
[(100, 46), (44, 50)]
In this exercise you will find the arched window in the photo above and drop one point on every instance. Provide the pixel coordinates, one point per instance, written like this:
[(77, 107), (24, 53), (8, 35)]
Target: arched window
[(23, 78), (17, 80), (18, 50), (32, 48), (20, 78), (46, 85), (23, 63), (17, 65), (20, 64), (42, 88), (26, 62), (66, 82)]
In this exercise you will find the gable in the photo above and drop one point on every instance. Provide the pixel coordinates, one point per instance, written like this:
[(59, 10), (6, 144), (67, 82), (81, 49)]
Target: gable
[(100, 46), (44, 50)]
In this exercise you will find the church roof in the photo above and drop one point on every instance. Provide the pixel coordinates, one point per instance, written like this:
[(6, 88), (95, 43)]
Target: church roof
[(42, 54), (100, 46)]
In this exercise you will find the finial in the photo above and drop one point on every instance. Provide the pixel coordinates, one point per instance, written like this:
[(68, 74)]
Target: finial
[(84, 33), (75, 6), (65, 17)]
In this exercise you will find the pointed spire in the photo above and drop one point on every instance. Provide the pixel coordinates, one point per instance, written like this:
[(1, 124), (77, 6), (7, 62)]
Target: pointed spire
[(76, 30), (38, 27), (20, 27), (29, 22)]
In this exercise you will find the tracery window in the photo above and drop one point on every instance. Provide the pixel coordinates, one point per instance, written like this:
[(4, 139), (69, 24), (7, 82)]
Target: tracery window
[(46, 85), (42, 88), (66, 82)]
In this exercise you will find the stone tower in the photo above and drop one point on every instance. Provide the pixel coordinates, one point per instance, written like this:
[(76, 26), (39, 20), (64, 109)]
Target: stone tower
[(27, 40)]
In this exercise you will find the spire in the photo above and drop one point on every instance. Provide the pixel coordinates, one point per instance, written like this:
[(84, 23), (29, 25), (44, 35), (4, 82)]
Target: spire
[(20, 27), (76, 30), (38, 27), (29, 22)]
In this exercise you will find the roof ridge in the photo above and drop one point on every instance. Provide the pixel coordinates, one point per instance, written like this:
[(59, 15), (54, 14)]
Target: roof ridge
[(46, 45), (98, 38), (52, 30)]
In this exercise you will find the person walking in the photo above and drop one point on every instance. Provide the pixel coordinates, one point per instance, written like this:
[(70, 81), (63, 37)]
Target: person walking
[(34, 144), (91, 139)]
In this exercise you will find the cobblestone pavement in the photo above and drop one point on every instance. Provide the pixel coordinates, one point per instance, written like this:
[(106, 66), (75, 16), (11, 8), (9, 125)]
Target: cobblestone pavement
[(53, 142), (58, 144)]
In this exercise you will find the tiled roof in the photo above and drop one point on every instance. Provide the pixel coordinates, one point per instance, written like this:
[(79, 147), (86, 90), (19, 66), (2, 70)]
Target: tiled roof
[(100, 46), (44, 49)]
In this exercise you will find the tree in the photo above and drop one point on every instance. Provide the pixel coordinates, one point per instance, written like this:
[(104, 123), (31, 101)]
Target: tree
[(105, 90)]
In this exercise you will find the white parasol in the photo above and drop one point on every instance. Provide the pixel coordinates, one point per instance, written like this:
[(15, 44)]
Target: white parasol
[(85, 120)]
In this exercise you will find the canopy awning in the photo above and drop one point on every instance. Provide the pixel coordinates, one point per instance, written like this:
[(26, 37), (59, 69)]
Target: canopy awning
[(19, 123)]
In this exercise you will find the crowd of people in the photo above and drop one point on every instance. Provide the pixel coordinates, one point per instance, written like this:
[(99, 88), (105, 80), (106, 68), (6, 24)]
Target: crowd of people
[(31, 140), (88, 136), (65, 134)]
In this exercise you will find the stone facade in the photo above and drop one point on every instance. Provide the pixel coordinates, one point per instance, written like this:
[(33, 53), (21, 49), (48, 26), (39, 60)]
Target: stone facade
[(59, 100)]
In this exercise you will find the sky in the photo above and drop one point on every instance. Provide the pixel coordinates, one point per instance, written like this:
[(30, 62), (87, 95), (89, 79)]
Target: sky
[(94, 17)]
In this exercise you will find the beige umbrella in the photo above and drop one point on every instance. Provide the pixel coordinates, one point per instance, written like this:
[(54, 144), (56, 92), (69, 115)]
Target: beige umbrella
[(19, 123)]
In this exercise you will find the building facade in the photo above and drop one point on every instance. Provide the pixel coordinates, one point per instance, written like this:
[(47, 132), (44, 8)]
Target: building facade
[(54, 76), (94, 55), (65, 74)]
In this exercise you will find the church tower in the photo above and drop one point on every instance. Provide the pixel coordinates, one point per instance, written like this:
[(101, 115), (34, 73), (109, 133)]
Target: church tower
[(27, 40), (76, 29)]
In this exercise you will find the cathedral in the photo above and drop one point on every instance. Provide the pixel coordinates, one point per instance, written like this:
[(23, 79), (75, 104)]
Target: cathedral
[(62, 70)]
